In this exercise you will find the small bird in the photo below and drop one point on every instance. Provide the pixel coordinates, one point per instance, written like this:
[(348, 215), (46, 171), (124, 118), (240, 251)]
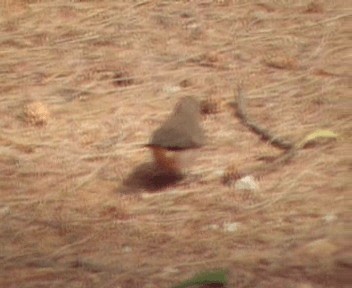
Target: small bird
[(173, 143)]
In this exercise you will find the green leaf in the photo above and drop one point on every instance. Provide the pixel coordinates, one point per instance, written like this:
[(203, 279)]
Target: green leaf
[(205, 278), (316, 136)]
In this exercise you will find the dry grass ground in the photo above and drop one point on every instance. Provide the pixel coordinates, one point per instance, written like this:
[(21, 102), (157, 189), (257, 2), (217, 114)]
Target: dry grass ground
[(76, 209)]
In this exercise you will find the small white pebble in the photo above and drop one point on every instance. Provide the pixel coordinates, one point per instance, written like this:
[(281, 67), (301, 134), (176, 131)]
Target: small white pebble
[(231, 227), (171, 89), (247, 183), (127, 249), (331, 217)]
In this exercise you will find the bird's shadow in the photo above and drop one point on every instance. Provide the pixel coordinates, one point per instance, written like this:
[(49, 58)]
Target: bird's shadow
[(149, 178)]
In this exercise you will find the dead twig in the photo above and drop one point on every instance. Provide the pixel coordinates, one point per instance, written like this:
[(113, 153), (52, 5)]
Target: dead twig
[(288, 146)]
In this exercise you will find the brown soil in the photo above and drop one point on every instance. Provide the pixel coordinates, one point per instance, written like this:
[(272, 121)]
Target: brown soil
[(84, 83)]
